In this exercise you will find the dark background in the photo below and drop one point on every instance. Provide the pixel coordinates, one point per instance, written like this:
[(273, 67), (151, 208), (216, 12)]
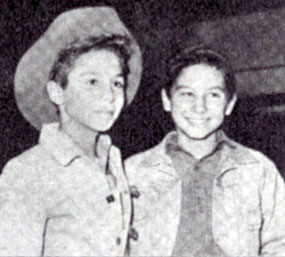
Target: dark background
[(250, 32)]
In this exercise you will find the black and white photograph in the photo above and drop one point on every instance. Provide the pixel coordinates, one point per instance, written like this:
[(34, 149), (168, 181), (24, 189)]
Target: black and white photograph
[(142, 128)]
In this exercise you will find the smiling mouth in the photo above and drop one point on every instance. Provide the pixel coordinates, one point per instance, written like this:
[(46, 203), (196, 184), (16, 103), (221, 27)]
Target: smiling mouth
[(197, 121)]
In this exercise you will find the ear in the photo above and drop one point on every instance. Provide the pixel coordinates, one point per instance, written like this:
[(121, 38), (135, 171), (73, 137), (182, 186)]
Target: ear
[(165, 101), (231, 105), (55, 92)]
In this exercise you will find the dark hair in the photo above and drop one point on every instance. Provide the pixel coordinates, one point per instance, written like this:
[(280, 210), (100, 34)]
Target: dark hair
[(191, 56), (67, 56)]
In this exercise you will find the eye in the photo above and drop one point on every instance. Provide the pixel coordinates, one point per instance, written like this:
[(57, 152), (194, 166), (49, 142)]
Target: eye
[(119, 84), (215, 94), (92, 82), (187, 93)]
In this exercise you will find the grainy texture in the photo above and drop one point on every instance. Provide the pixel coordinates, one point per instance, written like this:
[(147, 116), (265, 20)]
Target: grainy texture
[(53, 201), (248, 202), (253, 40), (160, 27)]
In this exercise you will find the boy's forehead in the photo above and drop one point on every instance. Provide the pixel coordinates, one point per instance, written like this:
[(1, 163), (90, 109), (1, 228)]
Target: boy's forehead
[(96, 60), (95, 53), (200, 76)]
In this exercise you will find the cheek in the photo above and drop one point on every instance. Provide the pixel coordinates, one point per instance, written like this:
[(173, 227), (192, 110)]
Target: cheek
[(218, 112), (181, 106), (73, 96), (71, 101), (77, 102), (119, 101)]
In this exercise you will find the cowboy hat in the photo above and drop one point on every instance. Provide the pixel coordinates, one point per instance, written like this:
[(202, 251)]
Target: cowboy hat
[(33, 70)]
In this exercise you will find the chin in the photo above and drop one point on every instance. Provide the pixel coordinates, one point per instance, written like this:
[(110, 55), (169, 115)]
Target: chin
[(199, 135), (103, 127)]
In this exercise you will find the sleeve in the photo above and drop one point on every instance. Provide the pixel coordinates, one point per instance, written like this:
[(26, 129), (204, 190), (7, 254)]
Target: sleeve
[(273, 209), (21, 223)]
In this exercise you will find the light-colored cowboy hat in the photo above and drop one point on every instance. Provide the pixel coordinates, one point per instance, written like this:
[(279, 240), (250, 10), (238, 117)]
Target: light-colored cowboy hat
[(33, 69)]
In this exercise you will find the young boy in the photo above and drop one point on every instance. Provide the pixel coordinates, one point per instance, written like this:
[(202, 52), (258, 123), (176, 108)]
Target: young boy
[(202, 194), (68, 195)]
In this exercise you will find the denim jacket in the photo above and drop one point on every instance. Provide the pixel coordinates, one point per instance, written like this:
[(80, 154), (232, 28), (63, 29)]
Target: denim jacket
[(248, 210)]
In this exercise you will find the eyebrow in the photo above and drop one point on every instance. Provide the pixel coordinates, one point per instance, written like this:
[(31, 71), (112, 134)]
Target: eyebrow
[(219, 88), (95, 73), (178, 87)]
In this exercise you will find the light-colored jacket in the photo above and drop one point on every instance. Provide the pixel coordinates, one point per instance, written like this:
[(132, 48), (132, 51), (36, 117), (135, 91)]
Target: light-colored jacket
[(53, 202), (248, 211)]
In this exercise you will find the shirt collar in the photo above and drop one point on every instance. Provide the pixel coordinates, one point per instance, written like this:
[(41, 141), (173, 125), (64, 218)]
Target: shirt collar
[(59, 144), (222, 140)]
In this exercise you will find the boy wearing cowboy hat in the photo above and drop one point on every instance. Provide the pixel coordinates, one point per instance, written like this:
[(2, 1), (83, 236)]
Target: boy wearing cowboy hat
[(202, 194), (68, 195)]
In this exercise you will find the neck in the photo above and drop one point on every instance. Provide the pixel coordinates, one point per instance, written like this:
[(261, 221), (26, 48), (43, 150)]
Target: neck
[(198, 148), (83, 136)]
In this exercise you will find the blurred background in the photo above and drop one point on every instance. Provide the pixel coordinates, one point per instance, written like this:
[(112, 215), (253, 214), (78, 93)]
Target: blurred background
[(251, 33)]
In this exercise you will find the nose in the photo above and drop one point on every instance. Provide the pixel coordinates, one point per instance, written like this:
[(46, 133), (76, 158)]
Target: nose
[(107, 93), (199, 105)]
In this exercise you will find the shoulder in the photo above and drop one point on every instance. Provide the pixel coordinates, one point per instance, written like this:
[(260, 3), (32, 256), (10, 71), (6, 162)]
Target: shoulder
[(147, 162), (29, 158), (258, 162), (246, 154), (24, 181), (148, 158), (263, 172), (25, 167)]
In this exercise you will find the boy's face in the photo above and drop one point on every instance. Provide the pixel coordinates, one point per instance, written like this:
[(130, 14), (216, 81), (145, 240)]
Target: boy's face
[(198, 102), (94, 96)]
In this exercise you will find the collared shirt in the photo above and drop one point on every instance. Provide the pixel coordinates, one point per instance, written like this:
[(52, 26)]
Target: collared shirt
[(194, 236), (56, 201)]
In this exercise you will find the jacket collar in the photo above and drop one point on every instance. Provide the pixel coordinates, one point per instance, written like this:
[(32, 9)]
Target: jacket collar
[(222, 139), (59, 144), (233, 154)]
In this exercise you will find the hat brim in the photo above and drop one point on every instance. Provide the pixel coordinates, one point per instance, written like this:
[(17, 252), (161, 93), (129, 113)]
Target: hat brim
[(33, 70)]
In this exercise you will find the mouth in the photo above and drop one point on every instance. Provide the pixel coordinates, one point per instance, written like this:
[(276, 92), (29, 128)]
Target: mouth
[(104, 112), (197, 120)]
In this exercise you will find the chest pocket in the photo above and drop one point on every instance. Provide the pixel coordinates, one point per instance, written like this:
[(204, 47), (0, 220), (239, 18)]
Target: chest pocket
[(241, 196), (243, 199), (251, 206)]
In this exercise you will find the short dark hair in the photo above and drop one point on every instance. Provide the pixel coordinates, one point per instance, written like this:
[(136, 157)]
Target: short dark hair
[(200, 55), (66, 57)]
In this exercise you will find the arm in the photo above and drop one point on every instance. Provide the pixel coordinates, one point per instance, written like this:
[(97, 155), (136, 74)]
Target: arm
[(273, 209), (21, 227)]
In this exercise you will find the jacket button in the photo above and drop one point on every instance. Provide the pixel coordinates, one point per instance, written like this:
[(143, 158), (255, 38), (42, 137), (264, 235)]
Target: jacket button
[(134, 192), (133, 234), (110, 198), (118, 241)]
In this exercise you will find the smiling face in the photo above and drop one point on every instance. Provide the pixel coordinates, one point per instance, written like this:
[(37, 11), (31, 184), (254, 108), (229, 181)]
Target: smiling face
[(198, 101), (94, 96)]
